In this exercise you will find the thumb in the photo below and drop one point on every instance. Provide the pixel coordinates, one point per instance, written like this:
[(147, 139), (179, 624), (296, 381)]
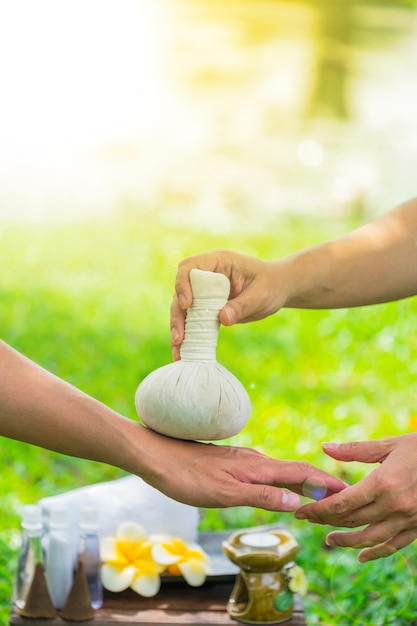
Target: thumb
[(241, 308), (363, 451), (228, 315), (251, 304)]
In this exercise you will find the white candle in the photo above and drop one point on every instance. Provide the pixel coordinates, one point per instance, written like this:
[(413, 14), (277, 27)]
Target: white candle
[(259, 540)]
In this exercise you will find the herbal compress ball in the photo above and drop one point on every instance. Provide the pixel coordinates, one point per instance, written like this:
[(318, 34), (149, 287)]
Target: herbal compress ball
[(196, 397)]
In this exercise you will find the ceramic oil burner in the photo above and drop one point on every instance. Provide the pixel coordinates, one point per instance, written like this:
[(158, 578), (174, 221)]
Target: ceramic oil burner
[(260, 594)]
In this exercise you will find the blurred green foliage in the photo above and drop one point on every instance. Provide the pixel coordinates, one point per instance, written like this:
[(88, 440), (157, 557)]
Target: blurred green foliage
[(90, 302)]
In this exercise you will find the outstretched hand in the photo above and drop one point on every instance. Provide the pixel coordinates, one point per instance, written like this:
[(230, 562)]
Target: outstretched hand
[(213, 475), (385, 501)]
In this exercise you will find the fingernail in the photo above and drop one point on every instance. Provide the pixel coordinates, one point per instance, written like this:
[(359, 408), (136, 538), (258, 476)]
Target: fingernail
[(330, 445), (330, 541), (230, 314), (300, 515), (174, 335), (290, 500)]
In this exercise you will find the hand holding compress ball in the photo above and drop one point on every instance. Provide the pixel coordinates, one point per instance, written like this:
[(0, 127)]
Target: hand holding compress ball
[(196, 397)]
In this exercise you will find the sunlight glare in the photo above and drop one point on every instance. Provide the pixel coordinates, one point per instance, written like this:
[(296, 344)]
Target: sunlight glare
[(77, 78), (310, 153), (77, 68)]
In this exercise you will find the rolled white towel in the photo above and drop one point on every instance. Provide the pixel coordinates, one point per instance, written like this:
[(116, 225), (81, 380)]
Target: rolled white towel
[(128, 498)]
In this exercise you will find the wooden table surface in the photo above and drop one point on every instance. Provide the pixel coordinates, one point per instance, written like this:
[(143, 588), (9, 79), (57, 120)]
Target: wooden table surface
[(174, 604)]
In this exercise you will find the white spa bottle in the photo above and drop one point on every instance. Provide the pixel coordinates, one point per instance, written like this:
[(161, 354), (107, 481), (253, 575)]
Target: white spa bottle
[(30, 552), (89, 554), (59, 566)]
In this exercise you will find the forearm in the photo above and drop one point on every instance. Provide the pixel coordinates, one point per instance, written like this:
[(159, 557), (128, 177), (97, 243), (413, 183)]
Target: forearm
[(37, 407), (372, 264)]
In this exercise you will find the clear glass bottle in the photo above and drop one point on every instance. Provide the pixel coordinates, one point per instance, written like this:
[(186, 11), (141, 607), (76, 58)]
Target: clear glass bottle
[(89, 554), (30, 552), (59, 569)]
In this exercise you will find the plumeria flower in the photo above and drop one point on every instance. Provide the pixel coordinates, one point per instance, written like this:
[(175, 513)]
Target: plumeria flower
[(297, 580), (128, 562), (181, 558)]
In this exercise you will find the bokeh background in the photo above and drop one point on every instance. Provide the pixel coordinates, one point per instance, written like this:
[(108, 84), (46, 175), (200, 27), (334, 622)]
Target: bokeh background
[(216, 112), (135, 133)]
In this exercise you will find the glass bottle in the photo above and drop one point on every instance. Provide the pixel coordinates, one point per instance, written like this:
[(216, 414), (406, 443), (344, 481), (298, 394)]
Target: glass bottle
[(59, 569), (30, 552), (89, 554)]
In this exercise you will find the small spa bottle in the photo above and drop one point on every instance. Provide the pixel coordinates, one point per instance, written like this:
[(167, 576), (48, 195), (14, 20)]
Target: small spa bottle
[(89, 554), (59, 566), (30, 552)]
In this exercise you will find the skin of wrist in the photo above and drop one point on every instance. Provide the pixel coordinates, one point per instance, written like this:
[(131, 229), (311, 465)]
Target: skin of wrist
[(289, 277), (306, 280), (139, 448)]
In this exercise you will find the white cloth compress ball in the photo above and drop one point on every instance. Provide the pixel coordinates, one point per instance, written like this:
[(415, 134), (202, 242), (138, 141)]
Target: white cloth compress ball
[(196, 397)]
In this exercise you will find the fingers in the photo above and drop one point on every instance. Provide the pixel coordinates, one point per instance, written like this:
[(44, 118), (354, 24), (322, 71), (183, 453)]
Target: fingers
[(249, 305), (347, 508), (385, 501), (265, 497), (216, 261), (376, 540), (253, 292), (260, 482), (182, 283), (183, 296), (273, 498), (177, 327), (257, 480), (299, 476), (389, 547), (227, 317), (363, 451), (370, 536)]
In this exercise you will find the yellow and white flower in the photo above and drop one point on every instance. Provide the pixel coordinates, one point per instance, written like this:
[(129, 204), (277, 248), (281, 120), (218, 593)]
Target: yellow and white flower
[(127, 561), (297, 582), (179, 557)]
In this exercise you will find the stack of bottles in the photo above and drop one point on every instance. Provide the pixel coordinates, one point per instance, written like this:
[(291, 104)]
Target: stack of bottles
[(50, 580)]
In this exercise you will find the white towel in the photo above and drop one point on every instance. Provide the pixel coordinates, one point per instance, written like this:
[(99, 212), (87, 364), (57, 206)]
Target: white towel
[(126, 499)]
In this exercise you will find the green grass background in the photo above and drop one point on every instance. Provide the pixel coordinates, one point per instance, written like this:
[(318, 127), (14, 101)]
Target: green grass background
[(90, 302)]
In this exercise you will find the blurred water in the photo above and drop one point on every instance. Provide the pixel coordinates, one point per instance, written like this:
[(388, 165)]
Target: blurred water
[(205, 111)]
